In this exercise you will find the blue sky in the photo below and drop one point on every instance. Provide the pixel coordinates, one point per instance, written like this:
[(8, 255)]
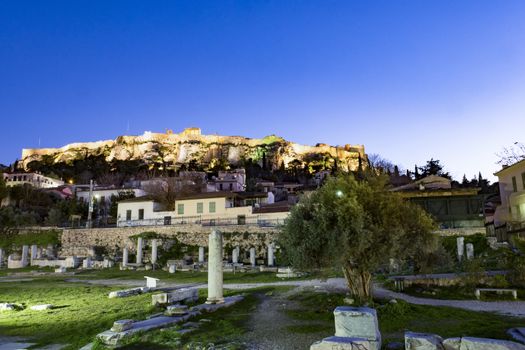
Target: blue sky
[(410, 80)]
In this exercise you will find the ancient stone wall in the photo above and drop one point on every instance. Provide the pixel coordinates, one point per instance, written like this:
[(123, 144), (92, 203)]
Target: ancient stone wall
[(79, 241)]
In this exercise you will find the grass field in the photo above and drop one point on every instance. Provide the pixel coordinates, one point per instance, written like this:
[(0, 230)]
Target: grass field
[(395, 319)]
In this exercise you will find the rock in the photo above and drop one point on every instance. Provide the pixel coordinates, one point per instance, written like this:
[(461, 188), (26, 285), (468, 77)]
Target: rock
[(349, 301), (128, 292), (61, 269), (178, 309), (179, 295), (392, 301), (7, 307), (469, 343), (343, 343), (423, 341), (41, 307), (358, 322), (452, 343), (122, 325)]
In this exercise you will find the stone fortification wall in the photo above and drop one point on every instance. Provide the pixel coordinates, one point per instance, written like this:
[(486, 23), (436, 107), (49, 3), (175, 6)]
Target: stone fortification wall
[(79, 241)]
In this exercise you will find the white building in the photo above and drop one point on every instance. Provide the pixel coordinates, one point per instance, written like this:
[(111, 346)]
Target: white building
[(34, 179), (209, 208), (512, 193), (233, 181)]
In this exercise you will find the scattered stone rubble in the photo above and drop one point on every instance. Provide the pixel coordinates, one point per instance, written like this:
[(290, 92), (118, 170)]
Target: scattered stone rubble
[(356, 328)]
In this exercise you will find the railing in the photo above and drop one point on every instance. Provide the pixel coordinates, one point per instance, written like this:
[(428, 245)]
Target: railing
[(180, 221)]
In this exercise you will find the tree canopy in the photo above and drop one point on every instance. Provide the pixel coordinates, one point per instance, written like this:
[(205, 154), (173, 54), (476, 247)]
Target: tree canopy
[(356, 226)]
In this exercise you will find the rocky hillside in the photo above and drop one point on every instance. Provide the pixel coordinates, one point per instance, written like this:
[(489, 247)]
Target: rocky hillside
[(174, 150)]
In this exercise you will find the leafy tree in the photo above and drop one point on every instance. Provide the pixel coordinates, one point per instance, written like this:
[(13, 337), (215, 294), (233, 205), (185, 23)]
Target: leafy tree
[(3, 188), (356, 226), (433, 167)]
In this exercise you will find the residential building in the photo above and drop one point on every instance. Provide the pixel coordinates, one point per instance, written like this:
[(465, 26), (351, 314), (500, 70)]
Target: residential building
[(450, 207), (233, 181), (34, 179), (208, 208), (511, 212)]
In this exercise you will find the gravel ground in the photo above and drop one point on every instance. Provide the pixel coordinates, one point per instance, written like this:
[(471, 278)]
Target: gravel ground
[(269, 325)]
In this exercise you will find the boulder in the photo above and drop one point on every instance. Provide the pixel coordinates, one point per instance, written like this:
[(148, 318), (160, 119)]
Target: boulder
[(343, 343), (470, 343), (41, 307), (358, 322), (423, 341)]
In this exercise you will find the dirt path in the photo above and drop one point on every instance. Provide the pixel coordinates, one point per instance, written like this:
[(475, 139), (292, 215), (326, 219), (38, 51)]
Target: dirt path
[(270, 324)]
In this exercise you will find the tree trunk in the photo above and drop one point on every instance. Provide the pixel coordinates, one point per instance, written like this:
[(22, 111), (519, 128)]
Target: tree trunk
[(359, 283)]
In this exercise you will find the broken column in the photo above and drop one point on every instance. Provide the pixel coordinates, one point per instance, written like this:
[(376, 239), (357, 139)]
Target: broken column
[(1, 257), (140, 243), (470, 251), (235, 255), (34, 250), (201, 254), (50, 254), (125, 257), (215, 268), (252, 256), (25, 255), (460, 242), (154, 251), (271, 260), (87, 263)]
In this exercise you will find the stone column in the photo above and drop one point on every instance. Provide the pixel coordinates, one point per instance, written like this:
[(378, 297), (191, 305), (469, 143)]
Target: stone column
[(201, 254), (271, 260), (125, 254), (235, 255), (252, 256), (1, 257), (470, 251), (460, 242), (140, 243), (34, 250), (215, 295), (153, 251), (25, 255)]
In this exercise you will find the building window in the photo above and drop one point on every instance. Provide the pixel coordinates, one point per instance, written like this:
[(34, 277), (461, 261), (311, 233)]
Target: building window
[(180, 209), (128, 214), (220, 187), (231, 187), (200, 208), (523, 180), (141, 214), (514, 184), (212, 207)]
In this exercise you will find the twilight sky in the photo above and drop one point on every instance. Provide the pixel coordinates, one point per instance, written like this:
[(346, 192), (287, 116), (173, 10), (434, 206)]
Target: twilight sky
[(410, 80)]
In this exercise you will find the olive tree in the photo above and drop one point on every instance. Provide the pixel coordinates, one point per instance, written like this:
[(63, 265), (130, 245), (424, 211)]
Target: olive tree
[(356, 226)]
